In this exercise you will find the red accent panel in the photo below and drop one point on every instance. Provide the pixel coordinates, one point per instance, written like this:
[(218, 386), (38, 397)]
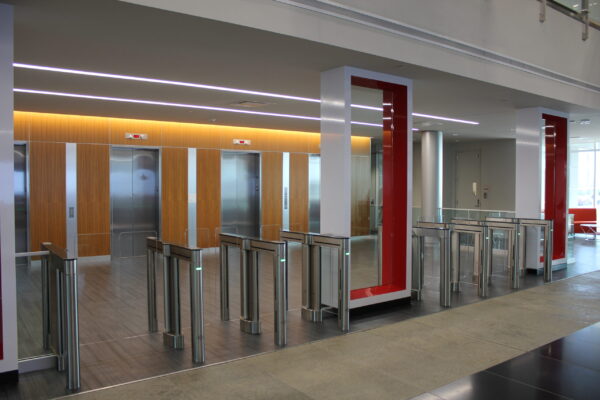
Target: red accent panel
[(555, 199), (395, 187)]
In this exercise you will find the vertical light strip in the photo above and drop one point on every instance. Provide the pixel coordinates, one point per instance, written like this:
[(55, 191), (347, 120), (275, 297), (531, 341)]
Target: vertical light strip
[(192, 237), (71, 195)]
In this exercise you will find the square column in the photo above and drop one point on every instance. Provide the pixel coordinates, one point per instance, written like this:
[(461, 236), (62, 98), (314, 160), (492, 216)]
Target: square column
[(8, 303)]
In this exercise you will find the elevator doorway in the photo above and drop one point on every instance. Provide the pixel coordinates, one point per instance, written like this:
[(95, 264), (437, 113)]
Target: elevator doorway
[(134, 200), (240, 193)]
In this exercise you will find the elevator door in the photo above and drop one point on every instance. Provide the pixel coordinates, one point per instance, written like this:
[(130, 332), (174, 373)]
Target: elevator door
[(240, 193), (133, 200), (20, 155)]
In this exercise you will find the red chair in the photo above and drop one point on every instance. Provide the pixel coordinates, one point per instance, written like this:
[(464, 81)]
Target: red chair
[(584, 216)]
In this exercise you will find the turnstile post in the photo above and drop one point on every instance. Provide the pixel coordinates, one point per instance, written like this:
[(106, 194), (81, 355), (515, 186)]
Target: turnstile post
[(455, 265), (45, 303), (197, 308), (72, 324), (484, 273), (151, 281), (250, 311), (344, 286), (548, 247), (445, 270), (280, 264), (172, 336), (514, 242), (418, 266), (224, 269)]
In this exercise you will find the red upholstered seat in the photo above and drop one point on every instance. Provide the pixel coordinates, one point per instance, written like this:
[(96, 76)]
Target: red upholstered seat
[(583, 216)]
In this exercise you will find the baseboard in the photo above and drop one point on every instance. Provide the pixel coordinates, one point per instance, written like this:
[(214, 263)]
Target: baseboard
[(9, 377)]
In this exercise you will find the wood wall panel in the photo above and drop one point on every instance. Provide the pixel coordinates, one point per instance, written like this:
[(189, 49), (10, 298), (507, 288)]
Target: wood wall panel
[(174, 195), (271, 201), (298, 192), (93, 199), (361, 188), (47, 200), (208, 214), (21, 126)]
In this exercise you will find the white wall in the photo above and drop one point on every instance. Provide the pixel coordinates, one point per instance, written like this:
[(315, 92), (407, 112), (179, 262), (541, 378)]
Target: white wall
[(506, 27)]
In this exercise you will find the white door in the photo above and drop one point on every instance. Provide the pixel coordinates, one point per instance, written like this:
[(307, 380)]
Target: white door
[(468, 179)]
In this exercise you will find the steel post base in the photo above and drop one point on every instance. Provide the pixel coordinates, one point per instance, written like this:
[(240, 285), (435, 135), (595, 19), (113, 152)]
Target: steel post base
[(312, 315), (251, 327), (416, 295), (455, 286), (173, 341)]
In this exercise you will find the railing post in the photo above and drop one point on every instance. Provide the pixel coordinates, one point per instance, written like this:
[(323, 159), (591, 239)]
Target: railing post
[(417, 273), (72, 325), (280, 264), (455, 265), (151, 281), (344, 285), (224, 269), (197, 307)]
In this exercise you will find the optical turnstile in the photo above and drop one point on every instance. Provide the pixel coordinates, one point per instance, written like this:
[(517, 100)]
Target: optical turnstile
[(312, 243), (172, 254), (249, 283)]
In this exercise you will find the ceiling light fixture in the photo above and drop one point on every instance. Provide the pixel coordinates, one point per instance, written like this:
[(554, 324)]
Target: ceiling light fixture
[(163, 103), (212, 87)]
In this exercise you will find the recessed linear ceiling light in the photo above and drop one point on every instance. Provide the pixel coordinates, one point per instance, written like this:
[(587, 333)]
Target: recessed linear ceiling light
[(163, 103), (210, 87)]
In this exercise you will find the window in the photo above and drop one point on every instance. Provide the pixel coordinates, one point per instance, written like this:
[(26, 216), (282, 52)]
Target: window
[(584, 175)]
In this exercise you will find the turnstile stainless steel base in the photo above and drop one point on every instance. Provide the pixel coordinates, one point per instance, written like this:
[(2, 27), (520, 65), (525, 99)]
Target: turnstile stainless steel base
[(455, 286), (312, 315), (173, 341), (251, 327)]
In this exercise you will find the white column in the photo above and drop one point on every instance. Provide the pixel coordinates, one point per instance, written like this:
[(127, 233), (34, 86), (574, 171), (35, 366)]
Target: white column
[(336, 152), (7, 202), (528, 180), (192, 232), (431, 175)]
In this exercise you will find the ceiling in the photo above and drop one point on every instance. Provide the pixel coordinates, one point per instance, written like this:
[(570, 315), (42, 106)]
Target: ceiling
[(120, 38)]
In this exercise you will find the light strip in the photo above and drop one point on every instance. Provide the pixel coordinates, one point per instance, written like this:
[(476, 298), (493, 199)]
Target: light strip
[(162, 81), (461, 121), (163, 103), (212, 87), (366, 124)]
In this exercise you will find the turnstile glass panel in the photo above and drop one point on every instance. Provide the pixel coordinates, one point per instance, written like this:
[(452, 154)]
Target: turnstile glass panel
[(314, 193)]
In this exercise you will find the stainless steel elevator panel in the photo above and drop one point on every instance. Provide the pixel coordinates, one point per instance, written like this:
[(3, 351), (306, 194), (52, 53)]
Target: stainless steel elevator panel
[(314, 193), (21, 236), (240, 193), (134, 200)]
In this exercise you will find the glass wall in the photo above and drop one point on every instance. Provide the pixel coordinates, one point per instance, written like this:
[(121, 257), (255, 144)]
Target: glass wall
[(584, 175)]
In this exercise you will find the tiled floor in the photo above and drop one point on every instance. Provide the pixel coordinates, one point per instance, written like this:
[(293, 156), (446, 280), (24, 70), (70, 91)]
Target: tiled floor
[(568, 368), (414, 357), (120, 350)]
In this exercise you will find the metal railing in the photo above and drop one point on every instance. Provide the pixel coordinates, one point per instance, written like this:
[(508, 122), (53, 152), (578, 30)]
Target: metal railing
[(172, 255), (249, 283), (312, 243), (60, 313)]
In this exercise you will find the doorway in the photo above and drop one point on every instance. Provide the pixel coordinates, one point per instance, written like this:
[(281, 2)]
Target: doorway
[(468, 179), (134, 200)]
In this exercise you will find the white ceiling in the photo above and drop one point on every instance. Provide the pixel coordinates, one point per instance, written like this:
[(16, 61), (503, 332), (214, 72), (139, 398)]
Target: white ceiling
[(120, 38)]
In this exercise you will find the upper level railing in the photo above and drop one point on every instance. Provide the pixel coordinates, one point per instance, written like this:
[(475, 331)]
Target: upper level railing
[(586, 11)]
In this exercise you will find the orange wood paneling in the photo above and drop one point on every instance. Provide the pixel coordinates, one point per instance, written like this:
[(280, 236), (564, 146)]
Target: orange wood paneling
[(47, 200), (361, 145), (21, 125), (271, 201), (93, 199), (174, 195), (298, 197), (208, 215), (361, 188), (68, 128)]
